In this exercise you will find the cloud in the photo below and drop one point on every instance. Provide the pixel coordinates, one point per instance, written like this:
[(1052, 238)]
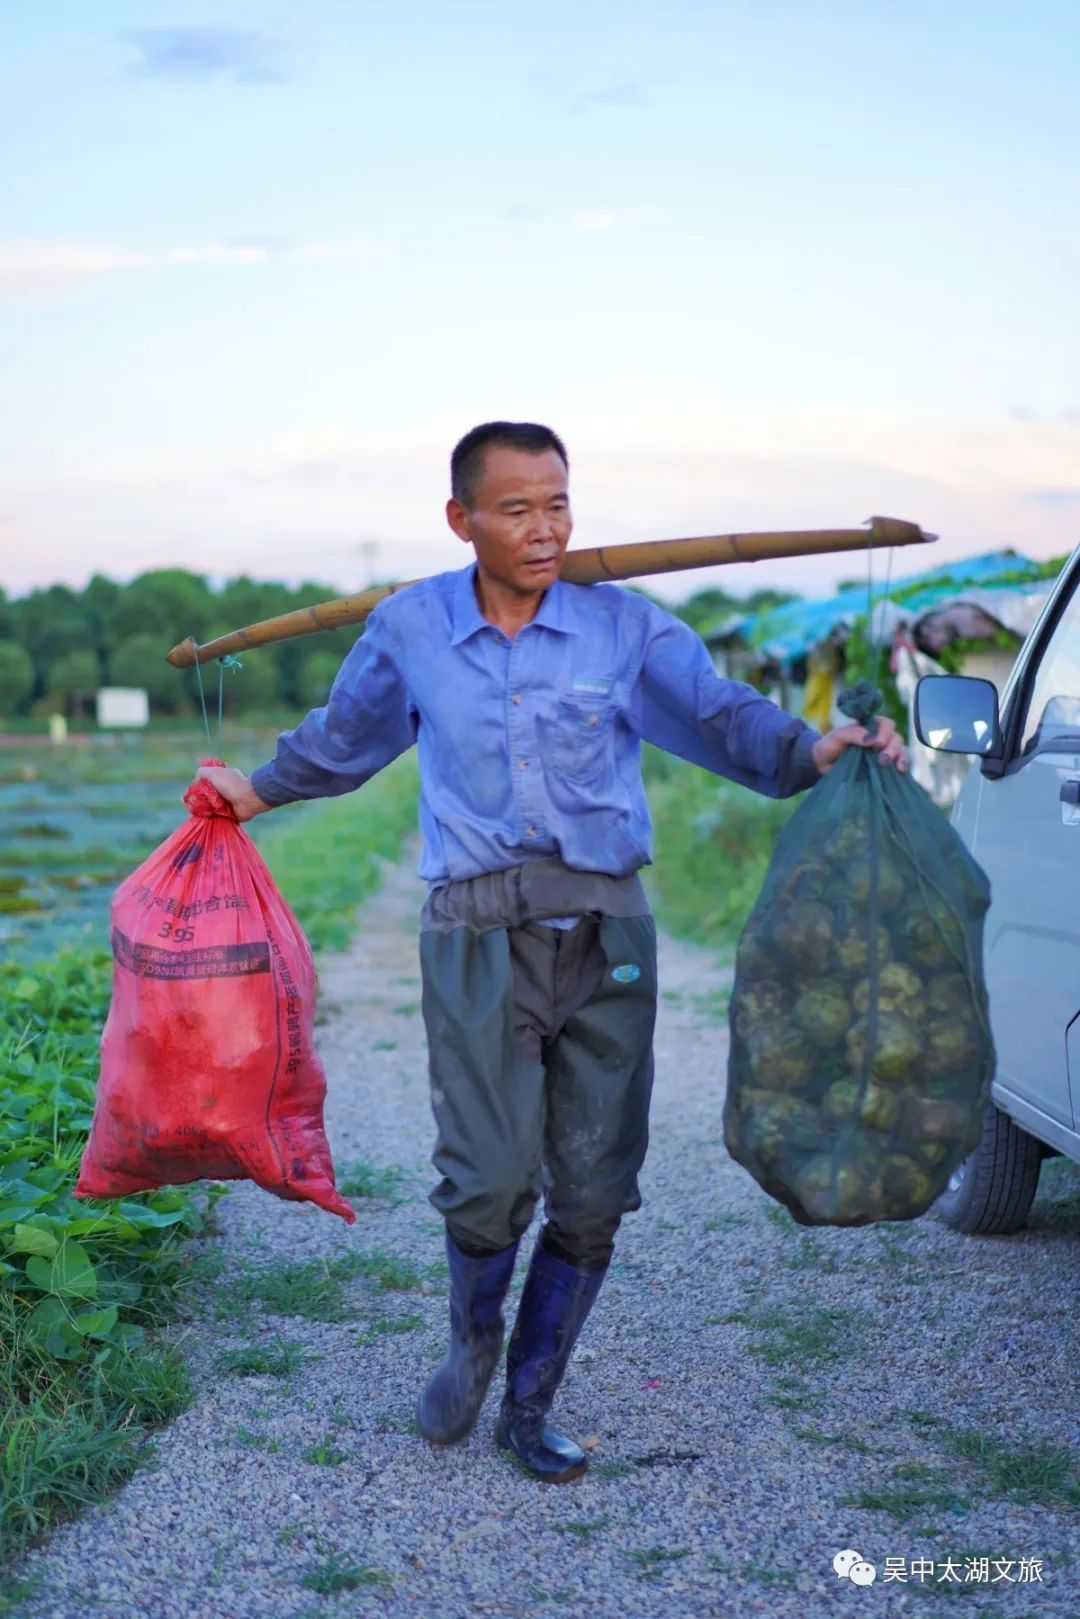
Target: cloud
[(597, 221), (304, 501), (1054, 497), (193, 55), (34, 267)]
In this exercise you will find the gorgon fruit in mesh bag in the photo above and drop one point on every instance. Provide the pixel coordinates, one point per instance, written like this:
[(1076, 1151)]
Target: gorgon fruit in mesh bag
[(861, 1054)]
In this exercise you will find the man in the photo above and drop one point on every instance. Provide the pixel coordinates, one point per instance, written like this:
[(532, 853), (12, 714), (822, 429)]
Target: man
[(529, 698)]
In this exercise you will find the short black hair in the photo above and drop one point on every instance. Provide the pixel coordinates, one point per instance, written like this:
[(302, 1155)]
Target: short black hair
[(467, 460)]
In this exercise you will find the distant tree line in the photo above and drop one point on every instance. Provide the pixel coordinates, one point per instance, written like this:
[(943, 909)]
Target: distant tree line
[(58, 645)]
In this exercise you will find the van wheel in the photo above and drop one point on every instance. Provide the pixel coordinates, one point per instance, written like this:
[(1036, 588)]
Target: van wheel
[(992, 1191)]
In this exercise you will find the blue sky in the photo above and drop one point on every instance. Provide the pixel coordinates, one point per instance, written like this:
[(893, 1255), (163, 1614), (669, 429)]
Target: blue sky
[(761, 262)]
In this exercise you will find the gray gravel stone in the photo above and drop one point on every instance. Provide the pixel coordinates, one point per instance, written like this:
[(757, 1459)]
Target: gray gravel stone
[(736, 1382)]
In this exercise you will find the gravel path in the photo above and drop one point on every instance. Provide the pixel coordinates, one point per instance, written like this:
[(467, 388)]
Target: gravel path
[(738, 1379)]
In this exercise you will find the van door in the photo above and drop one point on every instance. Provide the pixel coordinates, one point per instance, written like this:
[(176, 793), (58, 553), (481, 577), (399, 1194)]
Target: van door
[(1027, 839)]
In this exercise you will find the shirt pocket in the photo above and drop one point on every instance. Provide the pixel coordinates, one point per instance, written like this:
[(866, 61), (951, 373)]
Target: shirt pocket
[(581, 746)]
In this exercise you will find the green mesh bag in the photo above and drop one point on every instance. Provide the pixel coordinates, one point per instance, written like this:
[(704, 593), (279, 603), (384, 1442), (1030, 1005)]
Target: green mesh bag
[(861, 1053)]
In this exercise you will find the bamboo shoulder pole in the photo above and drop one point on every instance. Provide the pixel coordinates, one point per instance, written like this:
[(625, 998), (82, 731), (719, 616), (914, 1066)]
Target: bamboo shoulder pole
[(579, 568)]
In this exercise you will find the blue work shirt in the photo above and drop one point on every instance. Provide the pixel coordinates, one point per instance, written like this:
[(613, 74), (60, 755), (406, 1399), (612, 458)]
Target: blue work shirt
[(531, 748)]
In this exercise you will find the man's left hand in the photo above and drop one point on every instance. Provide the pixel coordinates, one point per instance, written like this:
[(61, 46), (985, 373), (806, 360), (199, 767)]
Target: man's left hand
[(886, 742)]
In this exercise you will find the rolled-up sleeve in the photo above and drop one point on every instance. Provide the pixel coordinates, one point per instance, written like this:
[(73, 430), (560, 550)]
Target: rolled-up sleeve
[(367, 721), (679, 703)]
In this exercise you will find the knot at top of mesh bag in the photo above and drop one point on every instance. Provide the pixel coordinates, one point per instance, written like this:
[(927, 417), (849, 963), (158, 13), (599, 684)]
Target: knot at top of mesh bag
[(861, 702)]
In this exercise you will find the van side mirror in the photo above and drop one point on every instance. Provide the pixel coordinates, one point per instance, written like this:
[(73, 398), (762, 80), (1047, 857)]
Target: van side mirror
[(958, 714)]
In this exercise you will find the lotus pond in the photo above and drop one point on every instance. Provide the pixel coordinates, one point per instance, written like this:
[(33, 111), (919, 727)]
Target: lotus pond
[(75, 820)]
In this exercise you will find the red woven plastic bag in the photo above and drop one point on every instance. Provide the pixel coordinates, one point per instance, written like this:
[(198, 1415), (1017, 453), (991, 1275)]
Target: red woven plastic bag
[(208, 1065)]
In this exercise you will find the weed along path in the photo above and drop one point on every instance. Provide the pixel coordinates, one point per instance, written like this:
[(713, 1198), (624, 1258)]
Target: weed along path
[(756, 1398)]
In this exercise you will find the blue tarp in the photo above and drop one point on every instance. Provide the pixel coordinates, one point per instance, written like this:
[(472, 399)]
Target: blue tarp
[(790, 631)]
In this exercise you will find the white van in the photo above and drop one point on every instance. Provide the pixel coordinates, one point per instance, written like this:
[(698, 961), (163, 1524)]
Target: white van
[(1019, 814)]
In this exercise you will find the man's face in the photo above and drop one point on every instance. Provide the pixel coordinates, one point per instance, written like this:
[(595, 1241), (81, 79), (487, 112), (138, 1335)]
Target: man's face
[(519, 522)]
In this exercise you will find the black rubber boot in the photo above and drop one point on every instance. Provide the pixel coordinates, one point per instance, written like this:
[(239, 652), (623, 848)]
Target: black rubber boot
[(555, 1301), (447, 1409)]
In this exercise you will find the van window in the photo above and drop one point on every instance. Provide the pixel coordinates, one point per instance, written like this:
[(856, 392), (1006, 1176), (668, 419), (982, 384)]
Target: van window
[(1053, 710)]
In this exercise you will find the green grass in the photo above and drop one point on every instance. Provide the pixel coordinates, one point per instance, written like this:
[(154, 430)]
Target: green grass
[(325, 855), (257, 1441), (712, 843), (652, 1561), (611, 1469), (803, 1250), (390, 1274), (387, 1327), (398, 1420), (842, 1440), (797, 1336), (583, 1528), (85, 1284), (912, 1488), (1037, 1470), (1057, 1206), (280, 1359), (1031, 1471), (324, 1453), (314, 1289), (336, 1573), (17, 1593), (762, 1574), (380, 1185), (790, 1393)]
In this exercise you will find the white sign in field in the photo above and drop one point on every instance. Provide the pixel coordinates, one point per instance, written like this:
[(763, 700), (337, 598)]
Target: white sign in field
[(122, 706)]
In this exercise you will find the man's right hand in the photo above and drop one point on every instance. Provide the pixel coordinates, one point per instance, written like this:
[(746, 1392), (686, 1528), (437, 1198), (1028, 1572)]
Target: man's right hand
[(236, 787)]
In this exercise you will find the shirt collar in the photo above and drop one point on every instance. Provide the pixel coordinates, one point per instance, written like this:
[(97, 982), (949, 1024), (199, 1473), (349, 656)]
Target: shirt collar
[(554, 611)]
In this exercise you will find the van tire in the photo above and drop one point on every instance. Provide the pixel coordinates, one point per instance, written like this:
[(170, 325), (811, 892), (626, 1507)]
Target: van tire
[(992, 1192)]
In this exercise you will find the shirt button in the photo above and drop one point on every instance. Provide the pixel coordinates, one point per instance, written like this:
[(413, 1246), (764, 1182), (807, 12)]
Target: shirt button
[(516, 697), (592, 719), (523, 764), (530, 831)]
